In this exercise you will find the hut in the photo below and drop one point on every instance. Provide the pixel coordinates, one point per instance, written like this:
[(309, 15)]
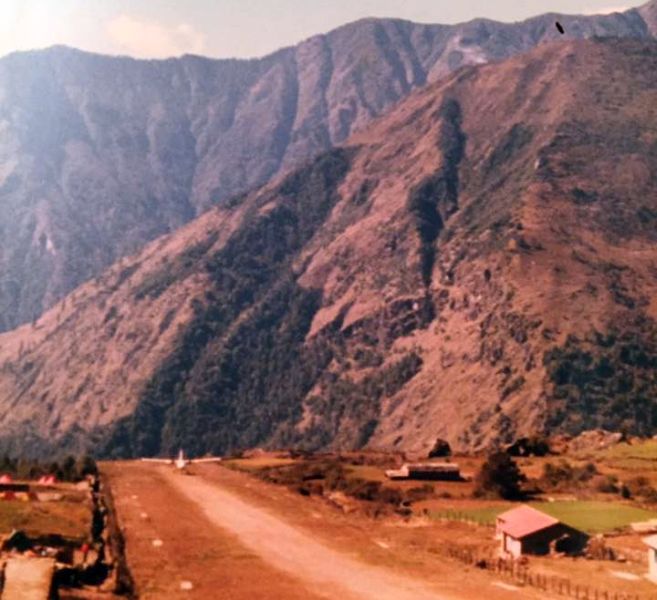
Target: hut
[(525, 530), (47, 480), (438, 471)]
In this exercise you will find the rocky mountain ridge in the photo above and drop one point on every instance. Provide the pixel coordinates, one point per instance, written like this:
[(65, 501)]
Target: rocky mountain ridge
[(476, 265), (99, 155)]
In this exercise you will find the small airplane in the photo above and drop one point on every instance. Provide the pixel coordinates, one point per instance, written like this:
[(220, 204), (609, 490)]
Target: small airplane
[(181, 461)]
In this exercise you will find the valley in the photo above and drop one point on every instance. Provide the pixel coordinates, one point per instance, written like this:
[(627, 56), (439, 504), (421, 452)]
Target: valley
[(262, 518), (371, 317)]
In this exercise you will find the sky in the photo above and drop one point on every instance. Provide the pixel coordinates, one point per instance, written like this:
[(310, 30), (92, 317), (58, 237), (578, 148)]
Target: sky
[(236, 28)]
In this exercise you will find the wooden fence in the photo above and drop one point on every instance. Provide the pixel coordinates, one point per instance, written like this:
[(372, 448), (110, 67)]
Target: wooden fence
[(520, 574), (463, 517)]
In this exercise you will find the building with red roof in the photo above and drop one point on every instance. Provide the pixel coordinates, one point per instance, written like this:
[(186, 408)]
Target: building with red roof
[(525, 530)]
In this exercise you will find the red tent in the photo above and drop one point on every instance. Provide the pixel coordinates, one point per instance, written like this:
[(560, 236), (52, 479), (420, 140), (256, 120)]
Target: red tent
[(5, 478)]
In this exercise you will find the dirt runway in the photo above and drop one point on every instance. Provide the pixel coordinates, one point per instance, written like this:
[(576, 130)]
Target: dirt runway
[(327, 572)]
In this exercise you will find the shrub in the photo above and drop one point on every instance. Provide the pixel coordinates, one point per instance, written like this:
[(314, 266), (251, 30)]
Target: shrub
[(530, 446), (564, 475), (420, 493)]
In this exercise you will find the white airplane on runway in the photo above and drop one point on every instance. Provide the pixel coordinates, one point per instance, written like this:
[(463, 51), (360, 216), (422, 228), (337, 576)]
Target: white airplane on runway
[(180, 462)]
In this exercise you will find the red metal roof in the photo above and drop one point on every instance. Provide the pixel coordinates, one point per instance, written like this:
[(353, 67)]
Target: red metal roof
[(523, 521)]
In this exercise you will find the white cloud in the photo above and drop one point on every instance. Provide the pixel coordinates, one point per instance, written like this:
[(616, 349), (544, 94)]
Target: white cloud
[(149, 39), (607, 10)]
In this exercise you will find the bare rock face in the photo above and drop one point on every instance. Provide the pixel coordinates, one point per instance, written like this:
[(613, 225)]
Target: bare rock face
[(100, 155), (476, 265), (598, 439)]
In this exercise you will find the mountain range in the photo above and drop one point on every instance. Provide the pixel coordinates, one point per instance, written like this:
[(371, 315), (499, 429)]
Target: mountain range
[(476, 264), (100, 155)]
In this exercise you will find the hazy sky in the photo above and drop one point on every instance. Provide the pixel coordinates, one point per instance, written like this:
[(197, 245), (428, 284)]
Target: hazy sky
[(242, 28)]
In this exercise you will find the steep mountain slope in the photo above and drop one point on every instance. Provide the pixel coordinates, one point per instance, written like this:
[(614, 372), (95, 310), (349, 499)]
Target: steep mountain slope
[(99, 155), (476, 265)]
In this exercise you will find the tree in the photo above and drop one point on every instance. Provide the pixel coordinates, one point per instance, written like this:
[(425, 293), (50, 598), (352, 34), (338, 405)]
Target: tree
[(499, 476), (86, 465), (440, 448)]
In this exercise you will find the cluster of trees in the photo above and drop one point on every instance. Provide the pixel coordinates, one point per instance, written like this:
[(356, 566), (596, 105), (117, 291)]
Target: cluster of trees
[(500, 477), (606, 382), (71, 468), (350, 409), (435, 198)]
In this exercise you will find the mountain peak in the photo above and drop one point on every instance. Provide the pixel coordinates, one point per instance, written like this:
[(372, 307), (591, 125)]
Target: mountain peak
[(649, 14)]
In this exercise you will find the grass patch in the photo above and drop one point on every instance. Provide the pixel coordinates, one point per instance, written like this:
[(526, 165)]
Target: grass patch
[(644, 450), (71, 520), (367, 472)]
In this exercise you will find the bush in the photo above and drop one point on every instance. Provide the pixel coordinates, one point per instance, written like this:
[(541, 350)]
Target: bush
[(640, 487), (564, 475), (529, 446), (606, 484)]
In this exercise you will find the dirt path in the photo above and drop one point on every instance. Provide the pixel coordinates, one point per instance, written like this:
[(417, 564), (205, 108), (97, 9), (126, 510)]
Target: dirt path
[(327, 572)]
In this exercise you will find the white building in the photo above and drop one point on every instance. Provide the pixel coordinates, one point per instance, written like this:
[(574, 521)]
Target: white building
[(651, 542)]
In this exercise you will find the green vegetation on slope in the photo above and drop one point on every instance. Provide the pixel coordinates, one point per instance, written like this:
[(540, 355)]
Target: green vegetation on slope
[(235, 375), (67, 518), (606, 382)]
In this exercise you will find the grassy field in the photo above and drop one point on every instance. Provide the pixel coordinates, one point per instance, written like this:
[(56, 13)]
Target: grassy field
[(69, 519), (255, 464), (596, 517), (589, 516), (645, 450), (636, 459)]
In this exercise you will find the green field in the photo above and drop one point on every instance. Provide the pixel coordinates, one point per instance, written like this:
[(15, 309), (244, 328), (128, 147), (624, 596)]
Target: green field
[(589, 516)]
